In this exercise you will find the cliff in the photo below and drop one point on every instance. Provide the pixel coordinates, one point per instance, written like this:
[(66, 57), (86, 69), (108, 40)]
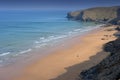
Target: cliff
[(98, 14), (109, 68)]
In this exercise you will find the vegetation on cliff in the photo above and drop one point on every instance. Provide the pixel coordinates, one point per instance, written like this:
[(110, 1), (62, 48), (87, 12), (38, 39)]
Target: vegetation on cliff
[(98, 14)]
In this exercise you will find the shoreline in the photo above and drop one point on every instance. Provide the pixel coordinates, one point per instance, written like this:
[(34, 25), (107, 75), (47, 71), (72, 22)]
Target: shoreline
[(65, 56), (43, 47)]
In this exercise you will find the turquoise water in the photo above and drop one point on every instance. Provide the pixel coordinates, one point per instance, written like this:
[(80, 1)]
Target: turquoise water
[(24, 31)]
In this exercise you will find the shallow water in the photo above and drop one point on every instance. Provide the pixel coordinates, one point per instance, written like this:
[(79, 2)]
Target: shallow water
[(24, 31)]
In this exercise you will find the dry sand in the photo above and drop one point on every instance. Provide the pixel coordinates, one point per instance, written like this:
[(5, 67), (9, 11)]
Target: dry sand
[(66, 62)]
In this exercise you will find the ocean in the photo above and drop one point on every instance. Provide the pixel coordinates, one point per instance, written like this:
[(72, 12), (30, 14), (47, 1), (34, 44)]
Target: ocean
[(24, 31)]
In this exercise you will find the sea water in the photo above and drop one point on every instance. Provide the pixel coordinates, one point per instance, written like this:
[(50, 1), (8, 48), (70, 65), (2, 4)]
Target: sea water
[(23, 31)]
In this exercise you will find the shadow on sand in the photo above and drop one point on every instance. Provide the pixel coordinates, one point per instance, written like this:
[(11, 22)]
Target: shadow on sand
[(72, 72)]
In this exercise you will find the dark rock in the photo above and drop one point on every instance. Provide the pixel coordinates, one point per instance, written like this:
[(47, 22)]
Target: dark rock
[(117, 34), (118, 28), (109, 47), (114, 21), (109, 68), (112, 46), (75, 16), (118, 22)]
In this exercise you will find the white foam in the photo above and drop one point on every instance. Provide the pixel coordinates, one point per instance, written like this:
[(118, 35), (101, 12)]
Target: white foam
[(43, 42), (70, 32), (38, 46), (3, 54), (25, 51), (50, 38), (42, 38), (37, 42), (77, 29)]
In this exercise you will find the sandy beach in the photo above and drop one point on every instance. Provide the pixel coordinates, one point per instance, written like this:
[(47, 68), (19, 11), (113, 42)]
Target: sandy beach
[(66, 62)]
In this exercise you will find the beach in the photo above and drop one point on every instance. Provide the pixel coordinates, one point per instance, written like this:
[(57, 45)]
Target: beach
[(67, 60)]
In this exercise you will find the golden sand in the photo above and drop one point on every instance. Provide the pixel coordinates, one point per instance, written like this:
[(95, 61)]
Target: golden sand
[(63, 60)]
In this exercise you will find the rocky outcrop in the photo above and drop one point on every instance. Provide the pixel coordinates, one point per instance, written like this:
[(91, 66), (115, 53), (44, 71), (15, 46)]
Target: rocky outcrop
[(99, 14), (109, 68)]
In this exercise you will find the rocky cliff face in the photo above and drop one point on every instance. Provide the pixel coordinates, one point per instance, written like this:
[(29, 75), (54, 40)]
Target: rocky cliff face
[(99, 14), (109, 68)]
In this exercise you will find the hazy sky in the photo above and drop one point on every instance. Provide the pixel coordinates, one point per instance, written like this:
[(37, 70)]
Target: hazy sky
[(55, 4)]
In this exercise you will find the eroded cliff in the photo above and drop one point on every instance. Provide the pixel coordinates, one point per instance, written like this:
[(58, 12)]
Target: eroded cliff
[(98, 14)]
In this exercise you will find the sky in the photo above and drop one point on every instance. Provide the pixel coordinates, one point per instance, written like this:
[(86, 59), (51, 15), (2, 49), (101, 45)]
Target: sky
[(55, 4)]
